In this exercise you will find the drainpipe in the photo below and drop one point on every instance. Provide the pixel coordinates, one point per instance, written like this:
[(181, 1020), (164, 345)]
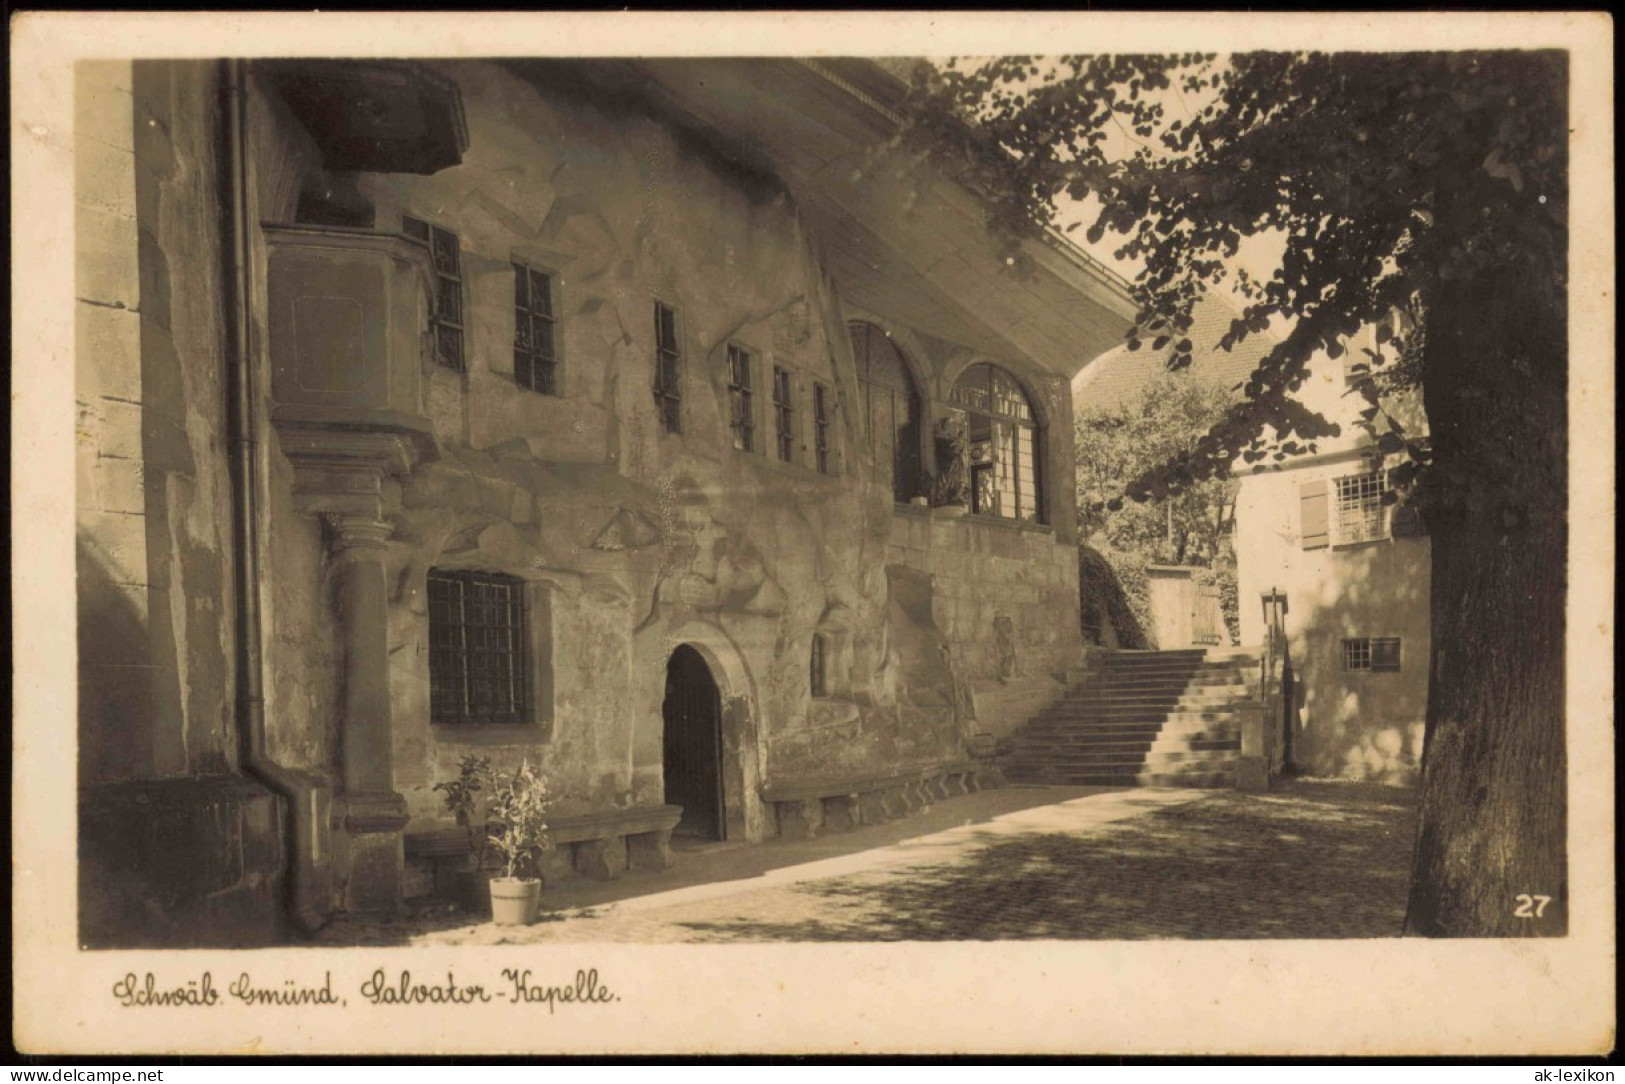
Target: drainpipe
[(303, 795)]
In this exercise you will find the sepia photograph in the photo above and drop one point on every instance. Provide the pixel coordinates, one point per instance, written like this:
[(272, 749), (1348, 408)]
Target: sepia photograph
[(559, 520)]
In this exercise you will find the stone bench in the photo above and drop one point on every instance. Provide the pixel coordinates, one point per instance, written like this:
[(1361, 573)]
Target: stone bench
[(599, 846), (804, 808)]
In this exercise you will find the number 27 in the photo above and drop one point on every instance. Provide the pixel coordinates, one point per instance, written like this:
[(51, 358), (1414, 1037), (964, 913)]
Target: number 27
[(1531, 906)]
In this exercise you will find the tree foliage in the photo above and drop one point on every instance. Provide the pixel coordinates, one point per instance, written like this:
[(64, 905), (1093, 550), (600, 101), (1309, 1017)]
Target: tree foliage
[(1342, 158), (1116, 445), (1428, 185)]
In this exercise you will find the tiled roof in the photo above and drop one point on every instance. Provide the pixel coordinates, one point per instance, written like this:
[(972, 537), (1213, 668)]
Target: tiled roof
[(1120, 376)]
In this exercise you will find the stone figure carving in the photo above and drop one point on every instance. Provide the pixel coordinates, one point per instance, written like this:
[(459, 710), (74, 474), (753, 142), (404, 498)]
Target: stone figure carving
[(1004, 635), (948, 488)]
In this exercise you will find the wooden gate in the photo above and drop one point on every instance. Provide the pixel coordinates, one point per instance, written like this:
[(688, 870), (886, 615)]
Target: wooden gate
[(692, 745), (1206, 620)]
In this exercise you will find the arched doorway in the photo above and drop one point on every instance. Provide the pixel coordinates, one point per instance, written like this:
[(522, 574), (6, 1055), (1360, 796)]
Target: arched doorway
[(692, 745)]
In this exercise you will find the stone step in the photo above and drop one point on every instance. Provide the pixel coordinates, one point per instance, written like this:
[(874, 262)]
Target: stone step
[(1085, 720), (1099, 730), (1217, 754), (1119, 744), (1203, 681), (1195, 701), (1205, 779), (1182, 673)]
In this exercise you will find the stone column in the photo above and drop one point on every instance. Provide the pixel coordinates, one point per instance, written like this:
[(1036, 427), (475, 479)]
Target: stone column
[(374, 814)]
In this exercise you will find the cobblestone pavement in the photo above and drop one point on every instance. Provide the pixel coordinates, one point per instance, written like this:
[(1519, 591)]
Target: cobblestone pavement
[(1306, 860)]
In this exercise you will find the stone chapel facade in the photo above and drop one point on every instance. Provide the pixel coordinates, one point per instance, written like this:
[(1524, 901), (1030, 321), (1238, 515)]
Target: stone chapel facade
[(648, 420)]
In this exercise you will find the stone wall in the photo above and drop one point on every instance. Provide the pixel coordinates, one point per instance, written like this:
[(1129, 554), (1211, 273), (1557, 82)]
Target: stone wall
[(1359, 725), (173, 848), (632, 540)]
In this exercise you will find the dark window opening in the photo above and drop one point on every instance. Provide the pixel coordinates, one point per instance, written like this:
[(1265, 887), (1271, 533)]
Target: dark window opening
[(668, 396), (816, 665), (535, 360), (446, 319), (821, 419), (741, 409), (1002, 444), (783, 414), (891, 409), (476, 648)]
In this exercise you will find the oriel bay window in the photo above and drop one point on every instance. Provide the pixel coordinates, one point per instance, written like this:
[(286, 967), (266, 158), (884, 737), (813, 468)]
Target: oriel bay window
[(446, 319), (891, 407), (477, 659), (1002, 445)]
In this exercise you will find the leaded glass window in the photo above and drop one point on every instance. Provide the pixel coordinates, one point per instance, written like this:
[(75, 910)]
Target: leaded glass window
[(1361, 515), (891, 409), (741, 399), (535, 359), (476, 648), (446, 319), (1002, 444), (783, 415), (1377, 654), (668, 393)]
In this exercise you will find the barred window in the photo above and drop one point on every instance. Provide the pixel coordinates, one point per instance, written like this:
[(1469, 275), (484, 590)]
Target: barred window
[(446, 320), (668, 395), (535, 362), (1379, 654), (476, 648), (783, 414), (1361, 515), (741, 396), (821, 413), (820, 651)]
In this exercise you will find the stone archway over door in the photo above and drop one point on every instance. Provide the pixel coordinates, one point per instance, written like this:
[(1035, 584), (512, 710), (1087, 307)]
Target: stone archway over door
[(692, 745)]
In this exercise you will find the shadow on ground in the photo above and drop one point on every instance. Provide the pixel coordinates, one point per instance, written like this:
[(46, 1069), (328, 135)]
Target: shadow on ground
[(1308, 860)]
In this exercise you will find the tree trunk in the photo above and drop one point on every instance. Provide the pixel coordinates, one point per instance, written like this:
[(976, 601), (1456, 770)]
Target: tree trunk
[(1490, 856)]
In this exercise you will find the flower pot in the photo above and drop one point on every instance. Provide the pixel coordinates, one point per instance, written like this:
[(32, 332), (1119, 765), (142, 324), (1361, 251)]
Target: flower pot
[(515, 900)]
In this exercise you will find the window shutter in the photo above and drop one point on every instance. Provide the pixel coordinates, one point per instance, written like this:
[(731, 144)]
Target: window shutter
[(1313, 505)]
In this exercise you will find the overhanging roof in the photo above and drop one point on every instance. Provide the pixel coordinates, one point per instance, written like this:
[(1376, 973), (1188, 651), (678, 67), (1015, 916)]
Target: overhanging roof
[(900, 238)]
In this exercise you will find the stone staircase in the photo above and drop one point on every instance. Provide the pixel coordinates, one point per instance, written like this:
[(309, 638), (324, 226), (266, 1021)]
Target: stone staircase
[(1142, 718)]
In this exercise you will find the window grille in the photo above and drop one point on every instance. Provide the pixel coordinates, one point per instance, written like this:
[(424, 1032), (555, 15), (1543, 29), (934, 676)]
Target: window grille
[(783, 414), (668, 396), (446, 321), (1361, 515), (816, 666), (1380, 654), (741, 408), (535, 362), (476, 648), (821, 420)]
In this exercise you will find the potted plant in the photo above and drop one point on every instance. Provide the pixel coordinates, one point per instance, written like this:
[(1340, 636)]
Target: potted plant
[(462, 798), (518, 830)]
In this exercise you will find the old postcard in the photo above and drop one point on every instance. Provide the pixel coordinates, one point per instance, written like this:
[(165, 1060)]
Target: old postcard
[(805, 533)]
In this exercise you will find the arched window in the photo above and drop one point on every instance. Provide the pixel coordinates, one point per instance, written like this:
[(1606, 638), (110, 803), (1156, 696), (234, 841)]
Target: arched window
[(1001, 444), (817, 663), (891, 407)]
